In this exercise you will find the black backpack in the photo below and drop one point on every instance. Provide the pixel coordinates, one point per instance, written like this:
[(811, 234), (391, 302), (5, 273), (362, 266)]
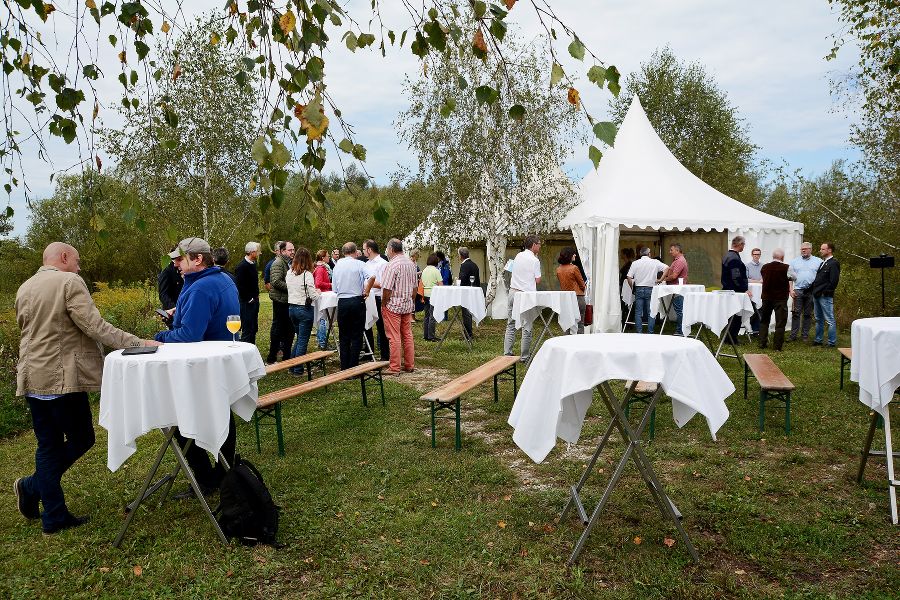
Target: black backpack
[(246, 510)]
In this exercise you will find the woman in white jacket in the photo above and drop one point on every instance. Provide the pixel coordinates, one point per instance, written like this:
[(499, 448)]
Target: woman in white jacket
[(302, 295)]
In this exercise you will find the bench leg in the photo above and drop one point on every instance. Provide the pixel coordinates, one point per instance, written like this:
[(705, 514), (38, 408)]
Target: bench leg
[(746, 376), (322, 364), (433, 444), (762, 409), (515, 382), (362, 383), (380, 385), (787, 414), (256, 426), (458, 435), (496, 390), (278, 431)]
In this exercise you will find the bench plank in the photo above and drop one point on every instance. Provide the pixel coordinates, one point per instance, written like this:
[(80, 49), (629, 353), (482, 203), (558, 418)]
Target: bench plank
[(846, 352), (767, 373), (462, 384), (308, 386), (297, 361)]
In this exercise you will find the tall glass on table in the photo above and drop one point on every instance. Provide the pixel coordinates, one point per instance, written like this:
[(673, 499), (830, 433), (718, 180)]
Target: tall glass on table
[(233, 323)]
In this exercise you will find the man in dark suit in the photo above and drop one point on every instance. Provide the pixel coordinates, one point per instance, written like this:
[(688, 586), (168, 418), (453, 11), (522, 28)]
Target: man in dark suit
[(169, 283), (468, 275), (775, 291), (247, 281), (823, 288), (734, 277)]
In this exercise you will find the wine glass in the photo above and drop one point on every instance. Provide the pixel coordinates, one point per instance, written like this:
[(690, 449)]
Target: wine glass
[(233, 323)]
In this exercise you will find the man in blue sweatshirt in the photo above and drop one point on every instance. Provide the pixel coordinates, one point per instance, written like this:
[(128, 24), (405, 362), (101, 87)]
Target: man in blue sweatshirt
[(208, 297)]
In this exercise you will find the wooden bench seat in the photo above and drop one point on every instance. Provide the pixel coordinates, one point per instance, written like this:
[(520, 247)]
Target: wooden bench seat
[(846, 358), (449, 395), (642, 393), (299, 361), (773, 385), (269, 405)]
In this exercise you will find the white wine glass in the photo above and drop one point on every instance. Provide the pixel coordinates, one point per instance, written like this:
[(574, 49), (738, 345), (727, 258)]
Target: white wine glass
[(233, 323)]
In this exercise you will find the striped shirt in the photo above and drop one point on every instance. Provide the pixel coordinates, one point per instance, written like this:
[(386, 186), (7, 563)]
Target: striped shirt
[(399, 276)]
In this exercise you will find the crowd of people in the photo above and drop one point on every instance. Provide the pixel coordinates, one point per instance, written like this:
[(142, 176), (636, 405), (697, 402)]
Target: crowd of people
[(808, 280)]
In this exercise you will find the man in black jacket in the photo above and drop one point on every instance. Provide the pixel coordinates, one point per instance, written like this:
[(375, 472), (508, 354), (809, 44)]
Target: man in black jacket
[(734, 277), (247, 280), (468, 276), (169, 283), (823, 288)]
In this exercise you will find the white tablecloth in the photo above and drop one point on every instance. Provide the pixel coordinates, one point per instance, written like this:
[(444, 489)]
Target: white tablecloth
[(558, 388), (627, 293), (328, 301), (713, 309), (664, 290), (876, 360), (528, 305), (756, 290), (192, 386), (443, 297)]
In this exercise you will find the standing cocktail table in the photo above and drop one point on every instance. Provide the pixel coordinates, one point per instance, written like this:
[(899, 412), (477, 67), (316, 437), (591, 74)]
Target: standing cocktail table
[(445, 297), (529, 306), (189, 386), (558, 390)]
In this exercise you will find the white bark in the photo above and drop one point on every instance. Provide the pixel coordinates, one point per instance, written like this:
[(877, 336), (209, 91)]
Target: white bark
[(496, 260)]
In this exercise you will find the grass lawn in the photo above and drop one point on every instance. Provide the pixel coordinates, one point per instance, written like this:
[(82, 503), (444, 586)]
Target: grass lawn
[(371, 510)]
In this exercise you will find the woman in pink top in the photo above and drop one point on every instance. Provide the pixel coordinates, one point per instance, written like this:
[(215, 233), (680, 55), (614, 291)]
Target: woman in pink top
[(322, 279)]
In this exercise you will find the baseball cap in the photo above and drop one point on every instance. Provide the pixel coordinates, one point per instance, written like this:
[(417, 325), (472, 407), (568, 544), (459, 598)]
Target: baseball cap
[(191, 244)]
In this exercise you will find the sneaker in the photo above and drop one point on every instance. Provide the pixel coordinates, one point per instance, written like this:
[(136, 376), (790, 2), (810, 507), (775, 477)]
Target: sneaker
[(27, 505), (70, 522), (817, 343)]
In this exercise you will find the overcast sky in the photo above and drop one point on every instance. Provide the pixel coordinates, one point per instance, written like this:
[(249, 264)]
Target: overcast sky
[(766, 55)]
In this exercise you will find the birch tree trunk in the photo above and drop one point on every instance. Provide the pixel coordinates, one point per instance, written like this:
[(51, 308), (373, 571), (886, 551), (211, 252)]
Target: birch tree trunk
[(496, 260)]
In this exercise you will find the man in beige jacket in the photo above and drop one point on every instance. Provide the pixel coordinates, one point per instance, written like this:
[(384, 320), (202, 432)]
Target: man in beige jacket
[(60, 361)]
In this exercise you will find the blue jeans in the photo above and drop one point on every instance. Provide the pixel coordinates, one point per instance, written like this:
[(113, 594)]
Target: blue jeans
[(301, 318), (678, 305), (322, 333), (641, 307), (825, 314), (64, 428)]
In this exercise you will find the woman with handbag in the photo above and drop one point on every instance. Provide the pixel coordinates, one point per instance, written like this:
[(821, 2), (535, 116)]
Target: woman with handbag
[(431, 277), (302, 294), (570, 280)]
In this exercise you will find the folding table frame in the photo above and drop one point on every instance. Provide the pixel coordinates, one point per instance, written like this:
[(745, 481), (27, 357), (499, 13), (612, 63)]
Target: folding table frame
[(331, 317), (633, 449), (887, 453), (547, 323), (457, 315), (148, 489), (726, 334)]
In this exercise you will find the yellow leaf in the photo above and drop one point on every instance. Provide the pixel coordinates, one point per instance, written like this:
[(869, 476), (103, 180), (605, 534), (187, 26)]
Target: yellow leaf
[(287, 22), (26, 58), (315, 133), (138, 570), (214, 38), (501, 524), (669, 542), (90, 4), (165, 27), (510, 4), (122, 57), (507, 498), (176, 72), (104, 569), (434, 503), (49, 8), (573, 97), (637, 540), (424, 562), (740, 572)]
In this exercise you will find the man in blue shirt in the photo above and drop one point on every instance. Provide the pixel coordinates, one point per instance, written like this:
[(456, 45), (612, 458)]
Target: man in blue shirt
[(802, 270), (347, 281), (209, 296)]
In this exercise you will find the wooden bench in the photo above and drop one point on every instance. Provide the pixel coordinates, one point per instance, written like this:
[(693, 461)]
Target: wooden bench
[(846, 357), (773, 385), (308, 360), (448, 396), (642, 393), (269, 405)]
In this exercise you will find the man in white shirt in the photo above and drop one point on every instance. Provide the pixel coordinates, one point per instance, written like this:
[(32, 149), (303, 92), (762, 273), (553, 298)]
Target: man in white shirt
[(643, 275), (526, 275), (347, 281), (374, 266)]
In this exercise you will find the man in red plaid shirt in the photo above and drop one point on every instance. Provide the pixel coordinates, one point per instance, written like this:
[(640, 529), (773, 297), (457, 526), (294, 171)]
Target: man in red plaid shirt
[(398, 285)]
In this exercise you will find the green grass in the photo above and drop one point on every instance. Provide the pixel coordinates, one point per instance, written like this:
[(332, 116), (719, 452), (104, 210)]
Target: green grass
[(371, 510)]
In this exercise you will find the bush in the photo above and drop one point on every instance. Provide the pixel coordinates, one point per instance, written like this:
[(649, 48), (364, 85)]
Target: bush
[(129, 307)]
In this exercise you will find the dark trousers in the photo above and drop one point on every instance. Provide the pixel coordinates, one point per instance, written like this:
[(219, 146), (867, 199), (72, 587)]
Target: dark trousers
[(802, 311), (734, 328), (383, 344), (430, 325), (779, 307), (351, 320), (249, 321), (64, 429), (467, 323), (282, 334), (208, 474)]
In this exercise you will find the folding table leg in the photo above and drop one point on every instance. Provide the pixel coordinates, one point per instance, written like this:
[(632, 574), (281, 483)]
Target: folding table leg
[(536, 344), (141, 496), (889, 455), (455, 311), (196, 486), (627, 317), (867, 446)]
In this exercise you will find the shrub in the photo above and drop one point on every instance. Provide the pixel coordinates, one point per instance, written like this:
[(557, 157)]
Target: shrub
[(129, 307)]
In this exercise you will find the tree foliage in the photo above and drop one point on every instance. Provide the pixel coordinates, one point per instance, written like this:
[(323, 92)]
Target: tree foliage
[(696, 121), (494, 171), (285, 43)]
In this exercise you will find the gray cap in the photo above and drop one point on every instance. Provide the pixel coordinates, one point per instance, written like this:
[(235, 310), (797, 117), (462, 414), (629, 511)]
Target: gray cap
[(191, 244)]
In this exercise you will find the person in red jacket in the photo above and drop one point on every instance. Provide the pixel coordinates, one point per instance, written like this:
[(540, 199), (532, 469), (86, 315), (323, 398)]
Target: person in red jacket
[(322, 279)]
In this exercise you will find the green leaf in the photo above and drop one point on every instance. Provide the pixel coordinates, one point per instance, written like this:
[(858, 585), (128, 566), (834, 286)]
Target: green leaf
[(315, 66), (517, 112), (480, 9), (612, 77), (90, 71), (498, 29), (170, 116), (595, 155), (576, 49), (113, 40), (350, 40), (606, 132), (346, 145), (280, 155), (365, 39), (359, 152), (69, 98), (141, 48), (419, 47), (463, 84), (381, 215), (556, 74), (259, 151), (164, 261), (448, 107), (486, 94), (597, 75), (277, 197)]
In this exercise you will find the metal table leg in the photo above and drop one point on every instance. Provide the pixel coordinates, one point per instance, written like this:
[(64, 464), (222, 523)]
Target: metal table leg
[(457, 316), (727, 335), (634, 450), (535, 345), (665, 311), (627, 317), (893, 483)]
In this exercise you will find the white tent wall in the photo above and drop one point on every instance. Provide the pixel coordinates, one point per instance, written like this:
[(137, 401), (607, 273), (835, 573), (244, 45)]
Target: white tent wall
[(768, 240), (598, 245)]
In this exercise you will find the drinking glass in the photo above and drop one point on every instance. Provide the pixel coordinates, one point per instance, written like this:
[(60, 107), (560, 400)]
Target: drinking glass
[(233, 323)]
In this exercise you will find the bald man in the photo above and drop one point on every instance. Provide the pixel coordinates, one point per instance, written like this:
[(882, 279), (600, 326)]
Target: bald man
[(60, 361)]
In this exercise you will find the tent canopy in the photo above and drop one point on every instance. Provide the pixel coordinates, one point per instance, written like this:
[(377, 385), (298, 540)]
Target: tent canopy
[(639, 183)]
